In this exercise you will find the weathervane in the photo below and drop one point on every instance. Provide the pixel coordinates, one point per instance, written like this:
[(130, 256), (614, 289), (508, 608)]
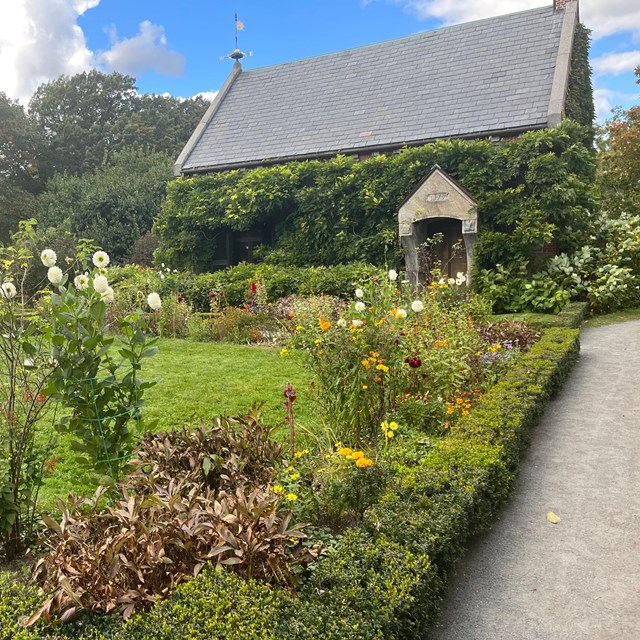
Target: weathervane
[(237, 55)]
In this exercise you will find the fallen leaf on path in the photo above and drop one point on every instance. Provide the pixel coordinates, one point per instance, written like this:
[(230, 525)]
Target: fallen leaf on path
[(553, 518)]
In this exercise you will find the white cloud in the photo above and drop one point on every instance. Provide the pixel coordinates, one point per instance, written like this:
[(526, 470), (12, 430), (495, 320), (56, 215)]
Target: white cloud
[(616, 63), (146, 50), (603, 100), (39, 41), (207, 95), (603, 18), (607, 100)]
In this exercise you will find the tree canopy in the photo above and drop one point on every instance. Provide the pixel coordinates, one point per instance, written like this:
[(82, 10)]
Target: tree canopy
[(113, 205), (20, 148), (89, 117), (619, 156)]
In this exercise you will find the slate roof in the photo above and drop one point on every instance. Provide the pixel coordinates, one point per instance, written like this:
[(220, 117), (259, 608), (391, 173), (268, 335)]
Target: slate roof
[(483, 77)]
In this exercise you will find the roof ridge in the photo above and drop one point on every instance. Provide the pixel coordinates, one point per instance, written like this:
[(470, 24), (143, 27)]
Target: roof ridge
[(398, 39)]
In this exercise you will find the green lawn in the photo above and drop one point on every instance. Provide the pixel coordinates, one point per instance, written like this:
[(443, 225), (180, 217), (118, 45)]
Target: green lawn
[(612, 318), (201, 380)]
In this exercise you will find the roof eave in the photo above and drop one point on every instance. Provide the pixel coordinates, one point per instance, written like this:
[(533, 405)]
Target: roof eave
[(249, 164), (206, 119), (560, 83)]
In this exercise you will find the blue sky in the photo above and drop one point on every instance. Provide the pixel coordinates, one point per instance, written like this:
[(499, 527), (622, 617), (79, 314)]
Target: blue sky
[(175, 47)]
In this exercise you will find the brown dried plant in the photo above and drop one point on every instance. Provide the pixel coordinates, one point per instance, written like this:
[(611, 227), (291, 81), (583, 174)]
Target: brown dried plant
[(191, 498)]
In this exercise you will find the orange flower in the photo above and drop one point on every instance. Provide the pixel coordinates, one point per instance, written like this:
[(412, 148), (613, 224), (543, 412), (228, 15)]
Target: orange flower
[(363, 463), (324, 324)]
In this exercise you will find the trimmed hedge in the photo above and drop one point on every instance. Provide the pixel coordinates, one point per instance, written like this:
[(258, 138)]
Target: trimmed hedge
[(385, 578), (234, 283)]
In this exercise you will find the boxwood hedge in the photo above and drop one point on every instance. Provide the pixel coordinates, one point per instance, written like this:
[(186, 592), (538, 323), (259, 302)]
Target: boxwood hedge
[(385, 578)]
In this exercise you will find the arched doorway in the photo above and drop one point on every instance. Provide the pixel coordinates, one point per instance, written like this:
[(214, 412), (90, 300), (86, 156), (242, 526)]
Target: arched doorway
[(439, 205), (449, 255)]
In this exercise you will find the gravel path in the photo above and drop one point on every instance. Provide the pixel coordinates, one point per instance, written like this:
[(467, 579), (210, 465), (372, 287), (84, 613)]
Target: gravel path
[(529, 579)]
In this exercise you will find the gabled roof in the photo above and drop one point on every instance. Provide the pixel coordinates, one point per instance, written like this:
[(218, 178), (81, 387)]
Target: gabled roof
[(495, 76)]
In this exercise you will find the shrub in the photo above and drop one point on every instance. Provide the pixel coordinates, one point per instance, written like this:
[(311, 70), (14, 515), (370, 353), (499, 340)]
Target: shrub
[(190, 498), (217, 605), (384, 578)]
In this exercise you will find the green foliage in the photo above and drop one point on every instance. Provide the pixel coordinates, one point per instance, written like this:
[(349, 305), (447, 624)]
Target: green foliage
[(114, 205), (78, 115), (579, 102), (20, 146), (24, 410), (216, 606), (384, 579), (530, 190), (605, 273), (97, 376), (232, 287), (88, 117)]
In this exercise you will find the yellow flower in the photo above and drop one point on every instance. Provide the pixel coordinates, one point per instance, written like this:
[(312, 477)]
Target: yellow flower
[(450, 410), (277, 488), (389, 434), (382, 367), (291, 497), (380, 322), (363, 463), (289, 469), (465, 412), (318, 341), (356, 455), (365, 363), (299, 454), (345, 451), (299, 328), (364, 386), (385, 426), (295, 476), (284, 352), (321, 470), (393, 426)]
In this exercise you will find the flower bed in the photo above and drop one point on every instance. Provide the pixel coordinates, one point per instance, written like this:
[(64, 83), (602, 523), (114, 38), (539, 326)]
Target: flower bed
[(385, 576)]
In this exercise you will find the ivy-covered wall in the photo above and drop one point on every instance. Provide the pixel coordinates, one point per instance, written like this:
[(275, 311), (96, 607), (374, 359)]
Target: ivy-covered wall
[(531, 190), (579, 102)]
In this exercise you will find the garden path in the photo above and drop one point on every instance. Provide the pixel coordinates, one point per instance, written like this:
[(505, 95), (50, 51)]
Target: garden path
[(579, 579)]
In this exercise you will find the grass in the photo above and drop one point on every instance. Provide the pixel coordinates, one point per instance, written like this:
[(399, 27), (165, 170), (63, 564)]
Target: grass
[(199, 380), (612, 318)]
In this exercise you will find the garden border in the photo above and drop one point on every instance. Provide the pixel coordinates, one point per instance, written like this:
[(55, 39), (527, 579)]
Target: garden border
[(385, 578)]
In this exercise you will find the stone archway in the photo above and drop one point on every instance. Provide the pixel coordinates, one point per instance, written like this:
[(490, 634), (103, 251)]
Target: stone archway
[(436, 199)]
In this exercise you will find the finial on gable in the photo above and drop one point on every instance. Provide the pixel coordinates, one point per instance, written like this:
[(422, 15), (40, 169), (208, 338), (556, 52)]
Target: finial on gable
[(237, 55)]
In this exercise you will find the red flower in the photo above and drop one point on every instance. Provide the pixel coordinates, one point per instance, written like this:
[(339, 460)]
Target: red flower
[(254, 288), (414, 362), (290, 393)]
